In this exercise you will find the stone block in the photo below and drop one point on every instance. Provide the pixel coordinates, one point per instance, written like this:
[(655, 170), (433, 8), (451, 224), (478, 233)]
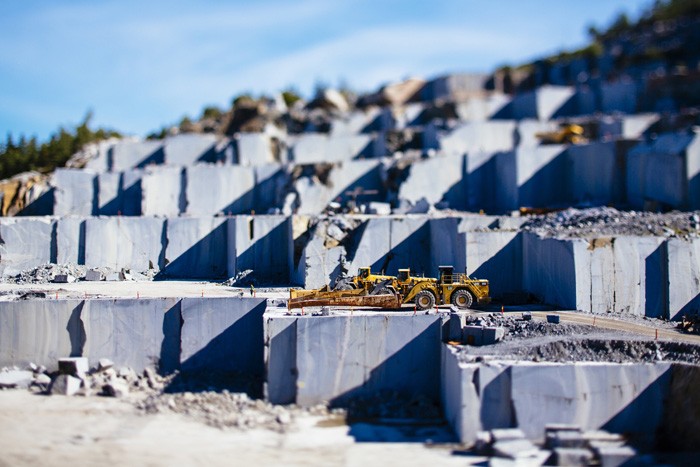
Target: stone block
[(343, 179), (109, 188), (219, 189), (256, 149), (490, 136), (598, 173), (196, 247), (189, 148), (74, 192), (18, 379), (271, 181), (133, 332), (280, 358), (438, 179), (26, 243), (482, 335), (318, 265), (618, 96), (131, 192), (124, 242), (223, 335), (40, 331), (614, 456), (263, 244), (498, 257), (552, 270), (622, 398), (163, 191), (340, 358), (64, 279), (74, 366), (93, 275), (481, 108), (313, 148), (544, 103), (572, 456), (515, 449), (683, 277), (70, 240), (126, 155), (639, 276), (65, 385)]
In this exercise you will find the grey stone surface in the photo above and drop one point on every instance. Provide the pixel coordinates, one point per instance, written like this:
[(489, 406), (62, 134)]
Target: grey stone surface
[(20, 379), (134, 154), (480, 108), (622, 398), (572, 456), (683, 277), (339, 358), (263, 244), (131, 192), (314, 195), (219, 189), (498, 257), (74, 192), (93, 275), (528, 129), (196, 247), (70, 240), (620, 96), (436, 179), (482, 335), (515, 449), (280, 358), (65, 385), (543, 103), (26, 243), (312, 148), (255, 149), (614, 456), (108, 193), (223, 335), (133, 332), (597, 172), (318, 265), (665, 173), (487, 136), (133, 243), (188, 149), (163, 191), (40, 331), (64, 279)]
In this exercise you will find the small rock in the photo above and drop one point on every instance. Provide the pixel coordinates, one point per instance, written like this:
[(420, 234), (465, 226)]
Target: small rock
[(74, 366), (116, 388), (93, 275), (64, 279), (65, 385), (284, 418), (104, 363), (20, 379)]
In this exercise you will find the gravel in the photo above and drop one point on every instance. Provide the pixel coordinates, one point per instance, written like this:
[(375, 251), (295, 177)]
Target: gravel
[(47, 272), (606, 221)]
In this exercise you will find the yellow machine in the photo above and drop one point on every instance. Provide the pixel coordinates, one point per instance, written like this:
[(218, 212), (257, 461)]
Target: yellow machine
[(568, 133), (367, 289)]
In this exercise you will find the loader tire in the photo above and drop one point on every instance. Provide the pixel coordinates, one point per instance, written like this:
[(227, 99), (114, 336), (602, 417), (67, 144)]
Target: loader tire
[(462, 299), (425, 300)]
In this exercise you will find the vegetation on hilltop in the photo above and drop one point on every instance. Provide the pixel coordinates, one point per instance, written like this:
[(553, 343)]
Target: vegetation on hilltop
[(22, 155)]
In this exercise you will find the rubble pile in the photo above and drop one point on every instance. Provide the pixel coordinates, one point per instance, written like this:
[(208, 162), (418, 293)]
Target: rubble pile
[(608, 221), (67, 273), (564, 444)]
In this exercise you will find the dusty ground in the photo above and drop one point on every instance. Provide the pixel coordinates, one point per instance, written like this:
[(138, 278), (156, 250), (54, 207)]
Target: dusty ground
[(58, 430)]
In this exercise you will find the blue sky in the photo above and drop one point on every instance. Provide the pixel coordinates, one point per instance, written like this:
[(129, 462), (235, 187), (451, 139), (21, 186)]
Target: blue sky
[(139, 65)]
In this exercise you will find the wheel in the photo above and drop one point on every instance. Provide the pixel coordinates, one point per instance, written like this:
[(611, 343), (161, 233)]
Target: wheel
[(462, 299), (424, 300)]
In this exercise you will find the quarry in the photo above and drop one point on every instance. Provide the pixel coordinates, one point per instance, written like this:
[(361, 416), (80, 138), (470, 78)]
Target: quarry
[(150, 280)]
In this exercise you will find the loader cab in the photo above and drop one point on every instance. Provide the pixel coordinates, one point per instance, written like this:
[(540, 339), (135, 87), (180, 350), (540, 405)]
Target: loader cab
[(363, 272), (404, 275), (446, 273)]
